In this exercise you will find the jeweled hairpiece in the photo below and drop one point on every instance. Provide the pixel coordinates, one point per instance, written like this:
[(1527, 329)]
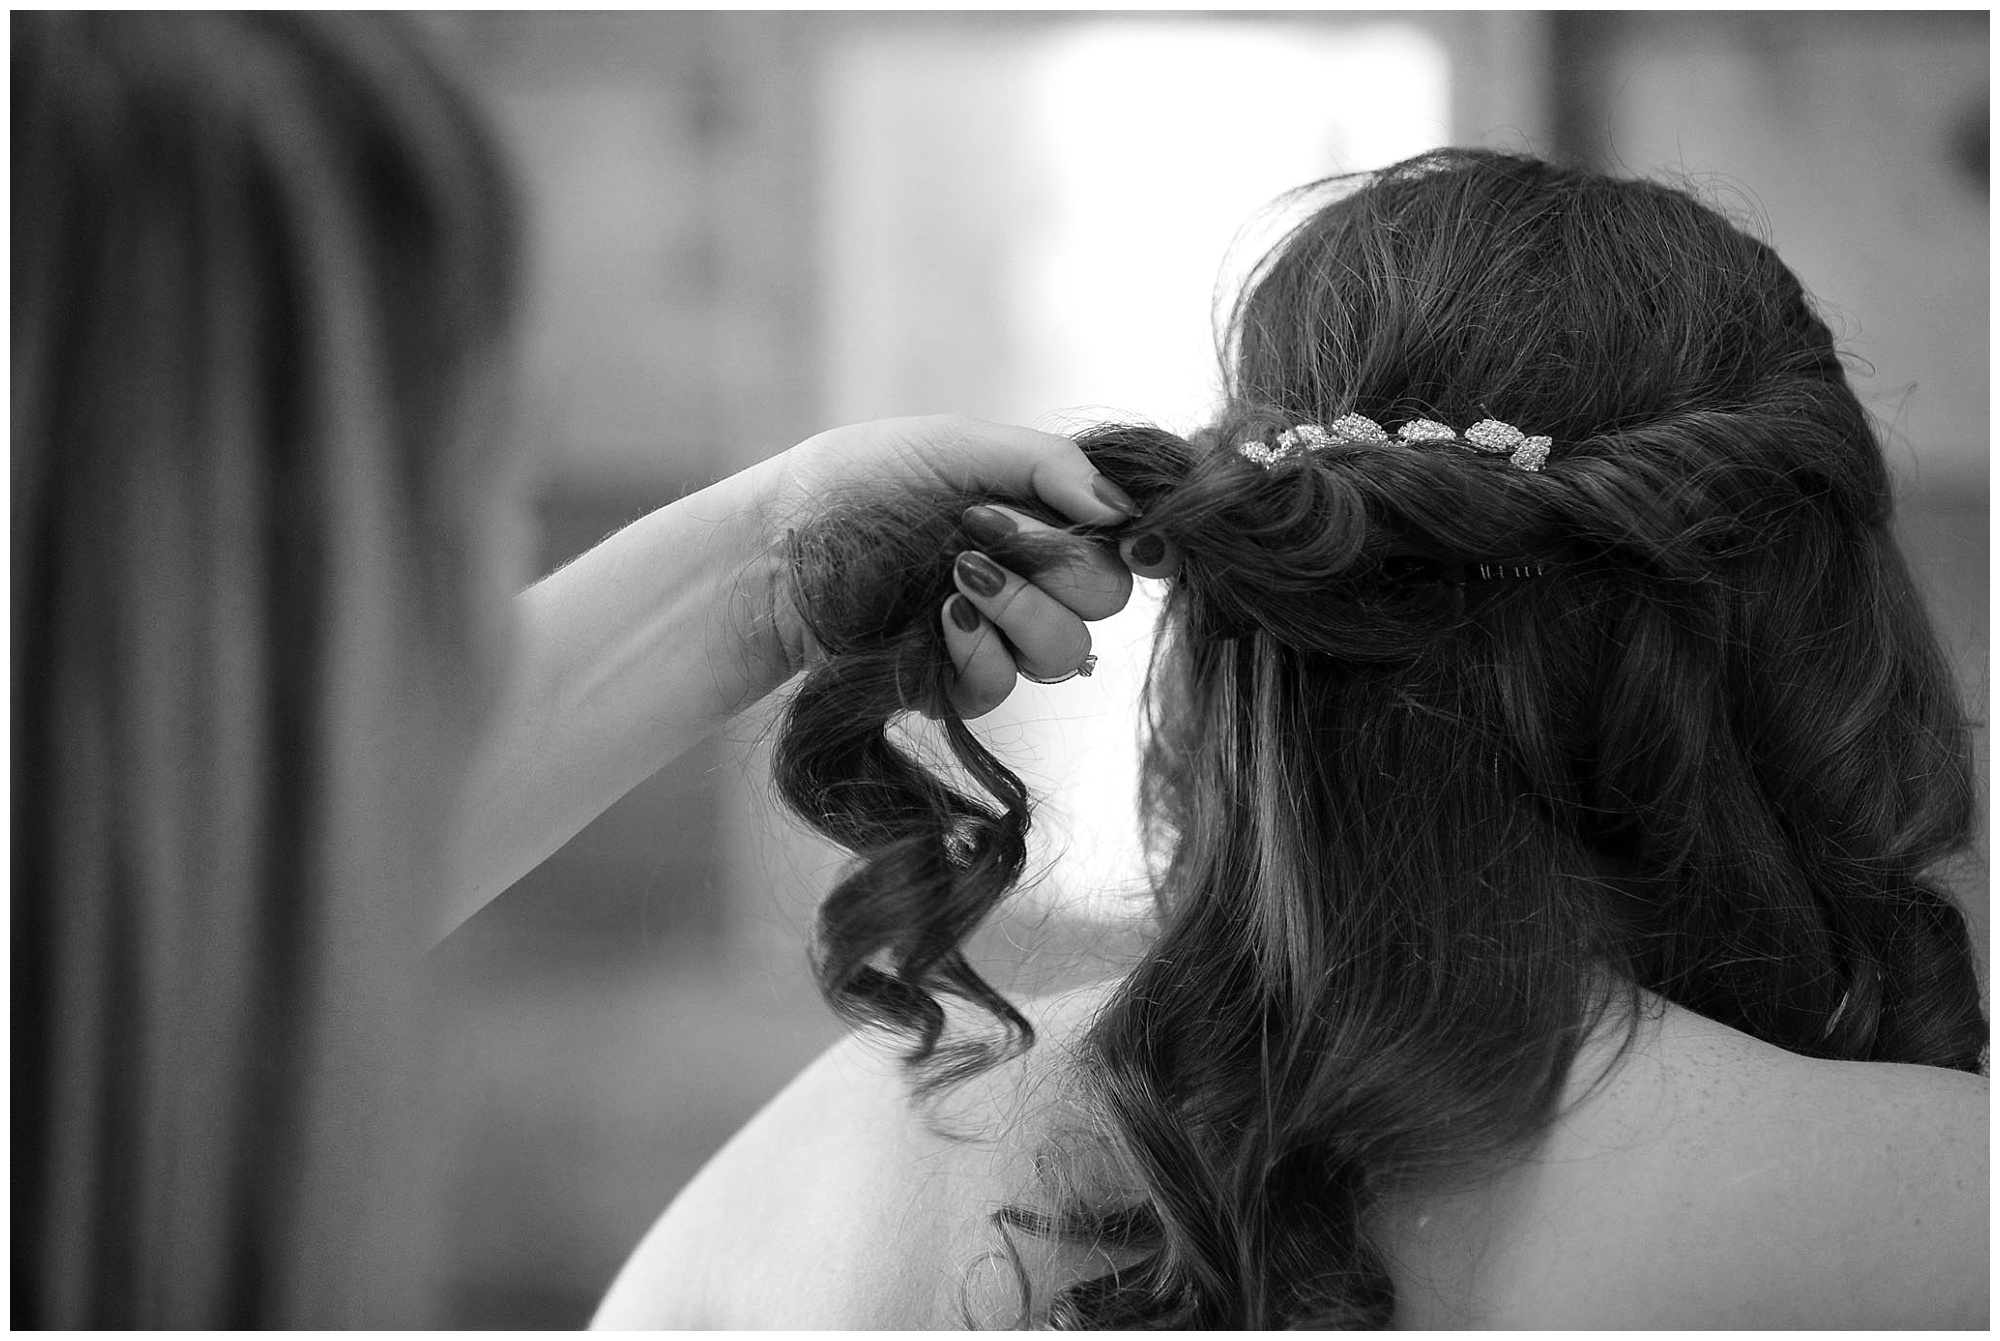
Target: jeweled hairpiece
[(1488, 436)]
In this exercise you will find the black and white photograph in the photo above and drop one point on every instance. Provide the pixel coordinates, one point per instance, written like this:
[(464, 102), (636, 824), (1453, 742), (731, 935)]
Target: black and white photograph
[(899, 669)]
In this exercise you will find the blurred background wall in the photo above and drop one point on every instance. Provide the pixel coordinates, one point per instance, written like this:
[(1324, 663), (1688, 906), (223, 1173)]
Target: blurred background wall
[(749, 226)]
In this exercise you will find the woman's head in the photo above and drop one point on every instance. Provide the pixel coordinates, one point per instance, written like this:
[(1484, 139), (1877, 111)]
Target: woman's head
[(261, 273), (1462, 285), (1717, 675), (1412, 820), (1693, 396)]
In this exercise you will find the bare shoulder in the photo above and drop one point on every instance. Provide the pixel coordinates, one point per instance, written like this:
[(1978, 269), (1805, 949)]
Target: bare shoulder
[(842, 1204), (1714, 1180), (752, 1239), (1709, 1180)]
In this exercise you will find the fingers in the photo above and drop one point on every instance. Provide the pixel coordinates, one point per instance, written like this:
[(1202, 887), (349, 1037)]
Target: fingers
[(978, 457), (1021, 608), (1150, 555), (1047, 638), (1085, 576), (1002, 458), (1023, 598), (985, 669), (967, 456)]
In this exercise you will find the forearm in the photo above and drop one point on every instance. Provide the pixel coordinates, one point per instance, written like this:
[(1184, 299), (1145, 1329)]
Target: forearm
[(628, 656), (656, 637)]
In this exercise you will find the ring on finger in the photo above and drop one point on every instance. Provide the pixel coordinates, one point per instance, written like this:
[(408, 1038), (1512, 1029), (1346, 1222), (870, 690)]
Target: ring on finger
[(1083, 668)]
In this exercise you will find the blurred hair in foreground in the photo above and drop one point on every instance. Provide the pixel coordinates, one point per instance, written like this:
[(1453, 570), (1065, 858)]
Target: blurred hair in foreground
[(261, 267)]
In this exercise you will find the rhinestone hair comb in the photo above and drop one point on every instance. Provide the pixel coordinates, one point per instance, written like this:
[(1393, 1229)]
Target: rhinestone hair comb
[(1489, 437)]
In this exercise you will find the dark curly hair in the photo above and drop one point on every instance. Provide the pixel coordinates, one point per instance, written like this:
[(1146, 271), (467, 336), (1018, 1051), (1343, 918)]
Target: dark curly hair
[(1421, 834)]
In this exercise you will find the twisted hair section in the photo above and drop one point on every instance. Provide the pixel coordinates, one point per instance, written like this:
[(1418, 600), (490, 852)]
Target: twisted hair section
[(939, 842), (1419, 838)]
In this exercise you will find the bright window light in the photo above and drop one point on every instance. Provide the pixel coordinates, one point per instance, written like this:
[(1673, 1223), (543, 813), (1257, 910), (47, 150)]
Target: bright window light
[(1163, 149), (1036, 225)]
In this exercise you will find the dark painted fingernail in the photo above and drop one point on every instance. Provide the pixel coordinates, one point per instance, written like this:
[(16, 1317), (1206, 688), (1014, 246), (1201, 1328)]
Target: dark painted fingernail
[(1149, 549), (1112, 496), (963, 614), (989, 526), (980, 574)]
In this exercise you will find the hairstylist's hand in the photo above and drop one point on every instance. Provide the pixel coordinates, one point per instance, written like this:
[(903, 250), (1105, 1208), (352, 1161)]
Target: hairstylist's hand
[(1005, 620)]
